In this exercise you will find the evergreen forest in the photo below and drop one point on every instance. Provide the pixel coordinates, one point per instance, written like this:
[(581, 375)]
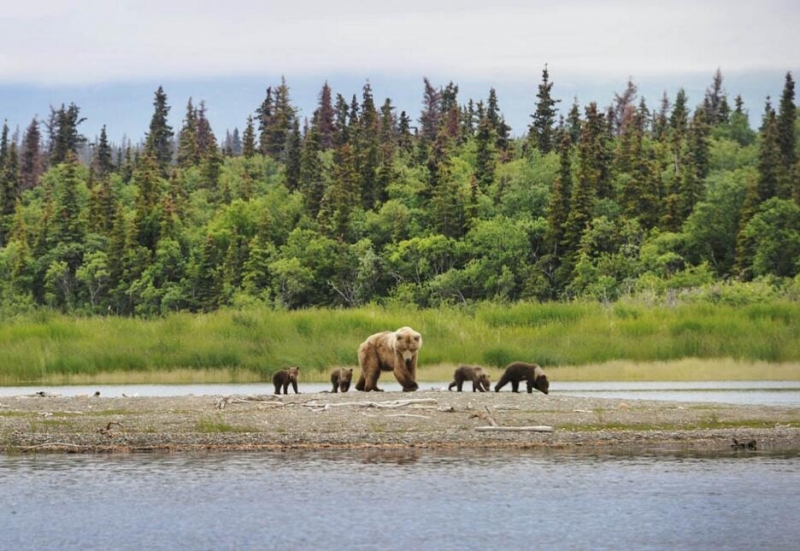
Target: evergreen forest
[(360, 204)]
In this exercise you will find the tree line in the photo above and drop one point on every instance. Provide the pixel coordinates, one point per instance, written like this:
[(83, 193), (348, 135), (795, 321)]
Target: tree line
[(361, 204)]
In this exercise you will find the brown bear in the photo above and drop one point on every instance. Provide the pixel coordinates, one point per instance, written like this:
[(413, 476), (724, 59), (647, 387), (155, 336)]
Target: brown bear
[(480, 379), (520, 371), (283, 377), (394, 351), (341, 378)]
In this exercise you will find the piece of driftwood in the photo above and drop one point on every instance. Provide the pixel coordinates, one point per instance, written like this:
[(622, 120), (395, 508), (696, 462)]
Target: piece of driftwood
[(489, 417), (323, 406), (532, 428), (107, 429), (222, 401), (408, 415)]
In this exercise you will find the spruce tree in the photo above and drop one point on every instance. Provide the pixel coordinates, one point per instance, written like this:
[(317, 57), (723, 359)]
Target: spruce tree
[(574, 122), (388, 147), (788, 185), (661, 120), (498, 123), (341, 112), (281, 123), (404, 136), (293, 157), (265, 114), (622, 108), (366, 149), (715, 103), (484, 155), (64, 136), (341, 197), (584, 191), (103, 162), (249, 139), (70, 225), (765, 187), (9, 184), (431, 115), (541, 133), (188, 154), (147, 180), (312, 182), (559, 206), (206, 140), (158, 143), (31, 163), (102, 206), (325, 118)]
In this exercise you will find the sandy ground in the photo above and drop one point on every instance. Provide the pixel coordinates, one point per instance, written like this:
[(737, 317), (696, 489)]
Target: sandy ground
[(424, 419)]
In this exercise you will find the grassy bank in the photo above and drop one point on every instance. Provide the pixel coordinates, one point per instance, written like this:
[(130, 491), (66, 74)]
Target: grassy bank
[(581, 341)]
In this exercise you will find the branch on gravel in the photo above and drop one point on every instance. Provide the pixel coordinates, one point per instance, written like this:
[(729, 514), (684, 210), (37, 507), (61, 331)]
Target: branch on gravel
[(324, 406), (533, 428), (271, 400)]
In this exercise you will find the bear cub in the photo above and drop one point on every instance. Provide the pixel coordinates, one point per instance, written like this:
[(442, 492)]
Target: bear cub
[(284, 377), (521, 371), (341, 378), (480, 379)]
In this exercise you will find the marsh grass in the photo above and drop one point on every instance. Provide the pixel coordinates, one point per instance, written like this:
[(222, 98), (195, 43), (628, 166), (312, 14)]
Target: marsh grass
[(579, 341)]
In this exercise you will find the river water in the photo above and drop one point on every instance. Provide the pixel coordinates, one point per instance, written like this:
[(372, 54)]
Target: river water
[(401, 500), (775, 393)]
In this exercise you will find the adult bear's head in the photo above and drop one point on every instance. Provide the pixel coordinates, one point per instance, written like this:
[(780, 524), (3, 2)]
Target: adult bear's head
[(407, 342)]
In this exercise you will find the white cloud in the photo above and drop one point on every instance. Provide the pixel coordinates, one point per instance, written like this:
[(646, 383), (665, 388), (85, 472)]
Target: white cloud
[(100, 41)]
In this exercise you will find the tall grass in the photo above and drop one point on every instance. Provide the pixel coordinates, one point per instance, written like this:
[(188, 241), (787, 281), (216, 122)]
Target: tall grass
[(253, 343)]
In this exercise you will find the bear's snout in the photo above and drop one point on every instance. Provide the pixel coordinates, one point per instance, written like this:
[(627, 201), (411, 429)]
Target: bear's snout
[(408, 363)]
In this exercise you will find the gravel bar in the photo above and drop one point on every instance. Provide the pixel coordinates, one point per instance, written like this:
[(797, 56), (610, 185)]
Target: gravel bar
[(388, 420)]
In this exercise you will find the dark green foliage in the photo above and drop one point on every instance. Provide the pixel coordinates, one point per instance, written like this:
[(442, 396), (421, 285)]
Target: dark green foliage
[(359, 205)]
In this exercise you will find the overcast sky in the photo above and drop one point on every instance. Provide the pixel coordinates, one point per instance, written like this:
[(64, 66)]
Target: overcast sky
[(78, 45)]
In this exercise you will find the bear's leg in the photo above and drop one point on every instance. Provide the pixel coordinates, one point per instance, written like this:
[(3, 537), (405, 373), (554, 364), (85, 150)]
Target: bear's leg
[(514, 386), (277, 388), (404, 378), (501, 383), (530, 387), (452, 385), (361, 382), (371, 382), (294, 386)]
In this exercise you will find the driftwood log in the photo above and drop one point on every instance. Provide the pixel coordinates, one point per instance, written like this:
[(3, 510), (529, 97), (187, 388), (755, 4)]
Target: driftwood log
[(493, 426), (532, 428)]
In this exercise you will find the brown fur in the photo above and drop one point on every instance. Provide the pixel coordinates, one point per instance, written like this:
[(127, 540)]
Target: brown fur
[(521, 371), (284, 377), (394, 351), (341, 378), (480, 379)]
